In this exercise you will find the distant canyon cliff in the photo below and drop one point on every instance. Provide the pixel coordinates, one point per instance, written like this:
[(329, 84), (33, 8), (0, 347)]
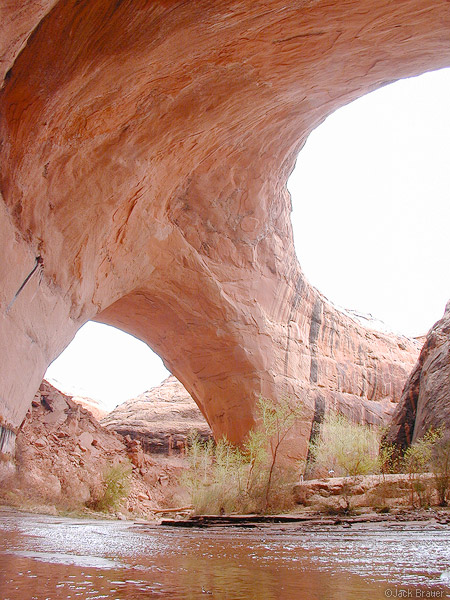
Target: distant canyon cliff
[(161, 419)]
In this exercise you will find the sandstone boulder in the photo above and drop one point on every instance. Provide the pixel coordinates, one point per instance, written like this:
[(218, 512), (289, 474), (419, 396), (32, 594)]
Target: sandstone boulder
[(346, 493), (95, 407)]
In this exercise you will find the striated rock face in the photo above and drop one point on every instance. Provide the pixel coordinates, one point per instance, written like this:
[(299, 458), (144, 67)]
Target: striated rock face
[(145, 152), (425, 400), (160, 418)]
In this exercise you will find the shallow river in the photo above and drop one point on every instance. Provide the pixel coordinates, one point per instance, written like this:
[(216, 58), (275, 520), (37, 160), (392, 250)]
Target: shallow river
[(43, 557)]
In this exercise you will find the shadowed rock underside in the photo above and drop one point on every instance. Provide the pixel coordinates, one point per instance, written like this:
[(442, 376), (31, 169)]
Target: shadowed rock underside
[(145, 152)]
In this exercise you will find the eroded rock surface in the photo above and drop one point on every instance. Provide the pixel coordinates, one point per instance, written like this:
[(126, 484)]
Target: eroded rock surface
[(425, 401), (341, 494), (63, 454), (96, 408), (145, 152), (161, 418)]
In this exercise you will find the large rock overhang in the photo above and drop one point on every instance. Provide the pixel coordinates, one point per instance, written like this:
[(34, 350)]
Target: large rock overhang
[(145, 152)]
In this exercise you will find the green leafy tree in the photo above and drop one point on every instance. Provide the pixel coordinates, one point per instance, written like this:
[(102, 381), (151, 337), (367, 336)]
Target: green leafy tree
[(224, 478), (277, 421)]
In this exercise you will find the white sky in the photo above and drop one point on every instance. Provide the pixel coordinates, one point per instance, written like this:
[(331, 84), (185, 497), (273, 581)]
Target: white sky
[(371, 219), (371, 197)]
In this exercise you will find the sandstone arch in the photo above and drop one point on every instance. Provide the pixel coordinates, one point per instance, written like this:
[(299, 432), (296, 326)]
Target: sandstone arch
[(145, 150)]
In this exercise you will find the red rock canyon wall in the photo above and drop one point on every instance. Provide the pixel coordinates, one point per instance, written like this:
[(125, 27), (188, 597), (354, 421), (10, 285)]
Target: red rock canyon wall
[(425, 402), (145, 151)]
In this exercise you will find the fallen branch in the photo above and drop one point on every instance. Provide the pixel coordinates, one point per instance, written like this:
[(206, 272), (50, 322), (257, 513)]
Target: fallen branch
[(173, 510)]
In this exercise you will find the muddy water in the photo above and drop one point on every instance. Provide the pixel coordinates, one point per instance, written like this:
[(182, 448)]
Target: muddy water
[(53, 558)]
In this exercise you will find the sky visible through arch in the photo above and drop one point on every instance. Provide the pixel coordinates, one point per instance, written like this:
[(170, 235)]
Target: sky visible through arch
[(371, 221)]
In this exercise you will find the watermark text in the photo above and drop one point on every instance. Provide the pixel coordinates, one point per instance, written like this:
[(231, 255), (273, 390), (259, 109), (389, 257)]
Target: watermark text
[(398, 592)]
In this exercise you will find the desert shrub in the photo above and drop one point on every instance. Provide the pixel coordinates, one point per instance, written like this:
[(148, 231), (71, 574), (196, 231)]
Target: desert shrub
[(223, 478), (345, 448), (115, 487), (416, 462), (216, 478), (440, 467), (389, 459), (388, 462), (430, 453), (277, 420)]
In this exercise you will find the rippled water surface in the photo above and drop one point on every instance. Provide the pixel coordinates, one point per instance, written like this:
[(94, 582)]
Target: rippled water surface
[(43, 557)]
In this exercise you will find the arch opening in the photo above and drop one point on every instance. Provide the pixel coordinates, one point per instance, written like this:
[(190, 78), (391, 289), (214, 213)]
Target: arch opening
[(107, 365), (382, 210)]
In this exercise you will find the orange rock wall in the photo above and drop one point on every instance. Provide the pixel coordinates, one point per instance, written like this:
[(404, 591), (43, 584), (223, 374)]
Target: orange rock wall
[(17, 21), (145, 152)]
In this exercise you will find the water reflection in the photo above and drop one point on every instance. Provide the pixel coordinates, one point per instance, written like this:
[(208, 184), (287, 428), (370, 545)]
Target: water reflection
[(44, 557)]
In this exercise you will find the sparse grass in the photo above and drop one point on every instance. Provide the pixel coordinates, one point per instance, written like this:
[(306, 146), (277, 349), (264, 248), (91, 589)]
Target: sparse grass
[(334, 509), (383, 509), (116, 485)]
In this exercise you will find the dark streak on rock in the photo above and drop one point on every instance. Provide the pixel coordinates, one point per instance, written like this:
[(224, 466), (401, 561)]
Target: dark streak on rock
[(402, 426), (7, 440), (319, 414), (314, 370), (314, 330), (296, 300)]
